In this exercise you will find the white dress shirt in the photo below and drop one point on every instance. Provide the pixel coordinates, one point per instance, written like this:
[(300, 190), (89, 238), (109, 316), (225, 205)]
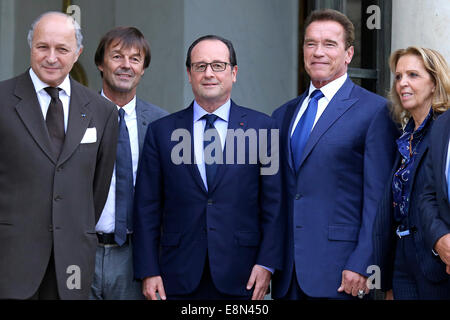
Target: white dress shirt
[(221, 124), (44, 98), (106, 223), (329, 90)]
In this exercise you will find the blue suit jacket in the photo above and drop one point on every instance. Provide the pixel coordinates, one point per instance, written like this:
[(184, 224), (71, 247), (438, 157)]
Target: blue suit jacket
[(177, 223), (385, 225), (330, 204), (435, 206)]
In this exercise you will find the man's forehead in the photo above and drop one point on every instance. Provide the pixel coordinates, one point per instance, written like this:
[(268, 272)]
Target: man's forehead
[(63, 22), (210, 47), (327, 30), (118, 45)]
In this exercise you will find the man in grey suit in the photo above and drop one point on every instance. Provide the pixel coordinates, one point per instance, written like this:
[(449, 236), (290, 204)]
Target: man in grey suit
[(58, 143), (122, 56)]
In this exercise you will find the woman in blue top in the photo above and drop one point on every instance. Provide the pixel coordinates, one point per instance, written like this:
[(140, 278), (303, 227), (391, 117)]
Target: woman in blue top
[(420, 92)]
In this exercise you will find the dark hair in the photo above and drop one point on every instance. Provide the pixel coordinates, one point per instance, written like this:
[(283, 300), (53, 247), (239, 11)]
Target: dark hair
[(228, 43), (336, 16), (128, 37)]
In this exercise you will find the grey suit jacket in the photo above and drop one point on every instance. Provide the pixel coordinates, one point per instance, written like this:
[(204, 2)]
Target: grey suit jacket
[(49, 204), (146, 114)]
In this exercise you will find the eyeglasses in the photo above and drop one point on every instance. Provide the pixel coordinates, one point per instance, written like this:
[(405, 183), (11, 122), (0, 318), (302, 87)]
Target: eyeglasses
[(215, 66)]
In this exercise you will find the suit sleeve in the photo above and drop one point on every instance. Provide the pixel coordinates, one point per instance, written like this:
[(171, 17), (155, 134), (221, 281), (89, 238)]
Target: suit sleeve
[(270, 250), (379, 154), (433, 226), (147, 210), (106, 158)]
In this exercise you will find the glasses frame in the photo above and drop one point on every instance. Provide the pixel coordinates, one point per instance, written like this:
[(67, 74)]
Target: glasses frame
[(210, 65)]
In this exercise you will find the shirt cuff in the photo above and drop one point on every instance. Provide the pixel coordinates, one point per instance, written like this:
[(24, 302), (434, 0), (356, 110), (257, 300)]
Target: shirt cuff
[(268, 269)]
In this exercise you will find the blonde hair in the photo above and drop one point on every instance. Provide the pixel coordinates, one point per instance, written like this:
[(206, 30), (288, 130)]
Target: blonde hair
[(436, 67)]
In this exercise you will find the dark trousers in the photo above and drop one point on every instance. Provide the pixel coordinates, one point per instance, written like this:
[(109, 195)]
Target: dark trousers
[(206, 290), (48, 289), (408, 281)]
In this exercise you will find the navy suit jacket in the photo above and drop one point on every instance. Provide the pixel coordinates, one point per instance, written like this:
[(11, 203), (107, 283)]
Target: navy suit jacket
[(385, 225), (177, 223), (330, 204), (435, 206)]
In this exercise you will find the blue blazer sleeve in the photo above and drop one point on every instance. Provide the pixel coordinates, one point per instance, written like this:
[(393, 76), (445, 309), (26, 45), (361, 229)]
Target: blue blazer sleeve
[(379, 157)]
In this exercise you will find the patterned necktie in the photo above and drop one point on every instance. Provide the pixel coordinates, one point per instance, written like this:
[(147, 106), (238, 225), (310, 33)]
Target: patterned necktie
[(303, 129), (124, 183), (210, 168), (55, 120)]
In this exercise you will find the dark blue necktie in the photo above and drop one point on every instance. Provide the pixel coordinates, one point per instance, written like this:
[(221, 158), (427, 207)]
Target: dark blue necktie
[(124, 182), (303, 129), (210, 168), (55, 120)]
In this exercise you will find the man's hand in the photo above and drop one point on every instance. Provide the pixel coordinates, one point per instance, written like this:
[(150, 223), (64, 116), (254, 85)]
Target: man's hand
[(442, 247), (151, 285), (352, 282), (260, 279), (389, 295)]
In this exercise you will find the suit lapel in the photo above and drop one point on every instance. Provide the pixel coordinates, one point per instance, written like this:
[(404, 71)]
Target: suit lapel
[(185, 121), (340, 103), (235, 121), (142, 122), (79, 118), (30, 112)]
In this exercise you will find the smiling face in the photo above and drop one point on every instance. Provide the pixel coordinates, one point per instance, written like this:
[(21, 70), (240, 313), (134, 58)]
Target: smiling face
[(54, 49), (211, 89), (122, 69), (414, 85), (325, 56)]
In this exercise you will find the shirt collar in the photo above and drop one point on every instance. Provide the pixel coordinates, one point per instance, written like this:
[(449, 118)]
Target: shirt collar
[(409, 128), (330, 89), (40, 85), (129, 108), (223, 112)]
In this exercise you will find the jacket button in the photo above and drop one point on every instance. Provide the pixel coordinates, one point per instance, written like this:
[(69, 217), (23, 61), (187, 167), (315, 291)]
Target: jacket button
[(50, 228), (57, 198), (210, 202), (298, 196)]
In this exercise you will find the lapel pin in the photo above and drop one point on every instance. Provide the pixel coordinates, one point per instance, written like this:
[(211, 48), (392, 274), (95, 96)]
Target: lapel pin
[(83, 115), (241, 124)]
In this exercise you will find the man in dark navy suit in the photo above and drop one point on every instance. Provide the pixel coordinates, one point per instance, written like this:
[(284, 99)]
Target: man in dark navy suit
[(207, 229), (435, 206), (337, 150)]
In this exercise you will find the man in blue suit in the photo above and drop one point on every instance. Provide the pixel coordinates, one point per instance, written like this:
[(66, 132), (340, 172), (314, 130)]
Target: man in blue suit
[(435, 205), (122, 56), (206, 230), (337, 150)]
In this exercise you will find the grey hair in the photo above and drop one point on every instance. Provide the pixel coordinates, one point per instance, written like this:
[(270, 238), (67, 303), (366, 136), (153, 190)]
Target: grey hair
[(78, 35)]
